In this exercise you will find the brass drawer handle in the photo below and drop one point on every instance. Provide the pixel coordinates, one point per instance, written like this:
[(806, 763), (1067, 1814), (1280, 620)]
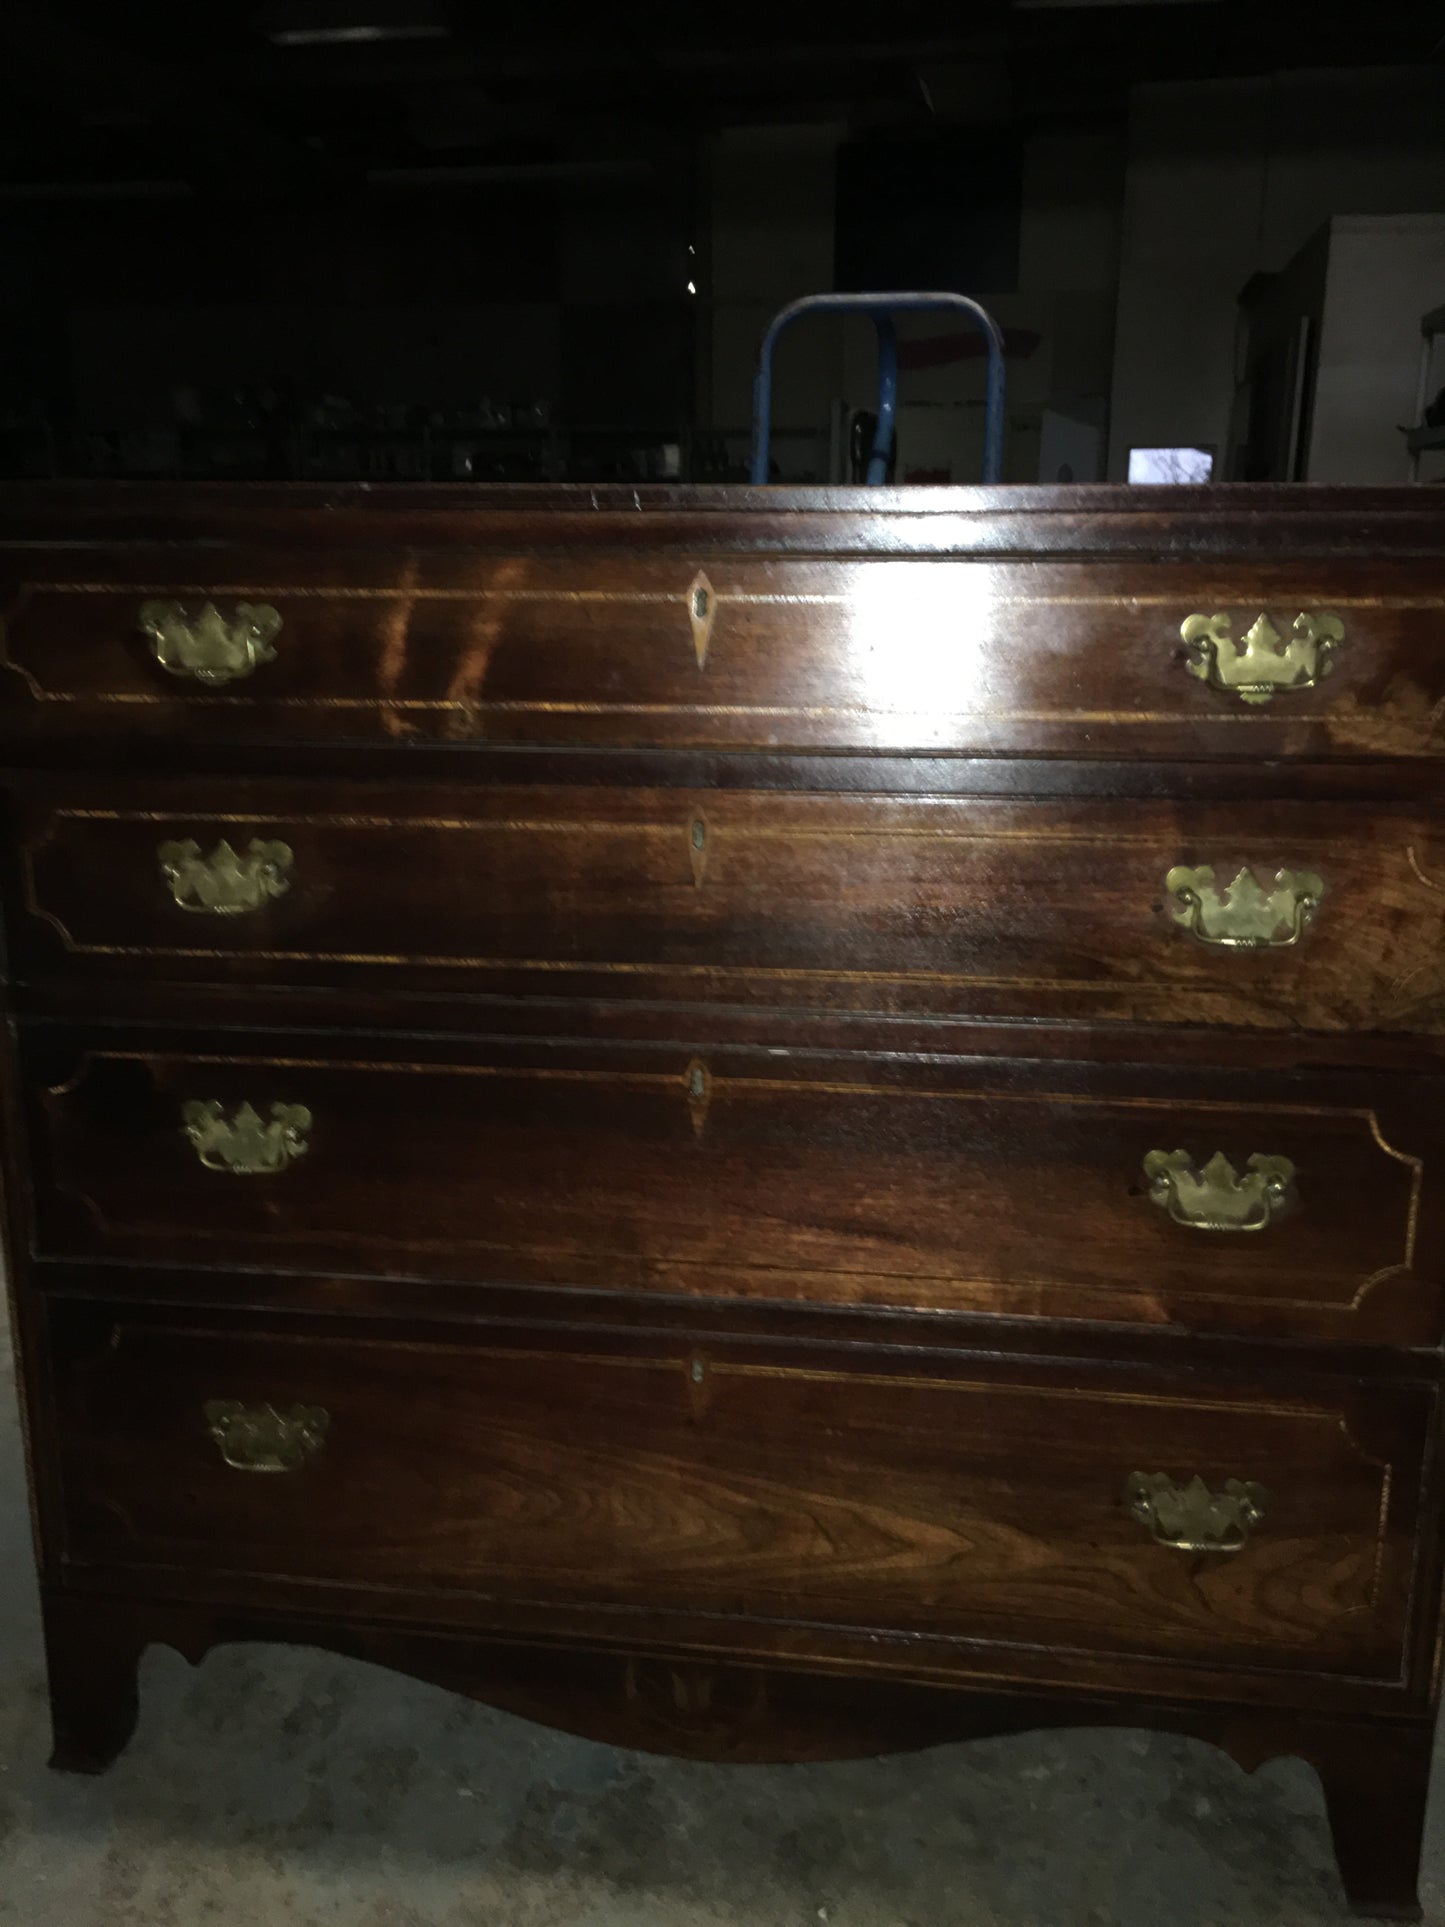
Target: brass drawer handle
[(243, 1144), (1243, 915), (258, 1438), (1261, 666), (1218, 1198), (208, 647), (1191, 1518), (225, 884)]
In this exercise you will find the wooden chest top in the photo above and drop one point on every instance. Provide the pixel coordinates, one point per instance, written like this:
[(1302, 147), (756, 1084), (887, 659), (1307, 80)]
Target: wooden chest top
[(1117, 623)]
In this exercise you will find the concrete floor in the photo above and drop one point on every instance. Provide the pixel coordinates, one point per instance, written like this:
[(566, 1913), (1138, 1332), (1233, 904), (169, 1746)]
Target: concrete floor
[(276, 1787)]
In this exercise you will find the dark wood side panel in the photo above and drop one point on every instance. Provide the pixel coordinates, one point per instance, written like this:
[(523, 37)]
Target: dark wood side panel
[(972, 1185), (712, 648), (984, 906), (971, 1504)]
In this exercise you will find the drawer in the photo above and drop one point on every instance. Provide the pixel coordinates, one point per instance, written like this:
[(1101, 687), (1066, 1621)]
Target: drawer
[(1197, 658), (1325, 915), (982, 1509), (1294, 1203)]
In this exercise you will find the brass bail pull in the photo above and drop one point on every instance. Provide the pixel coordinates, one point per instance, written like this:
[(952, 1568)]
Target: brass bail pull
[(259, 1438), (1189, 1517), (1242, 913), (207, 646), (1262, 665), (225, 883), (1216, 1197), (245, 1143)]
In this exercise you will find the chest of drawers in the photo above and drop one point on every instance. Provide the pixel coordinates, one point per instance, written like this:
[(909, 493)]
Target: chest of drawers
[(763, 1125)]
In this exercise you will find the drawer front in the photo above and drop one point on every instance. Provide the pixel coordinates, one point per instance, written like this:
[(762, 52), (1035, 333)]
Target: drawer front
[(1277, 913), (1302, 1204), (986, 1510), (1200, 657)]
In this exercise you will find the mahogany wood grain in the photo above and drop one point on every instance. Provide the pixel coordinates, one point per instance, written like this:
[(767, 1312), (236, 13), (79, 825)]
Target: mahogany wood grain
[(368, 1007), (1176, 523), (893, 655), (444, 1306), (986, 907), (955, 1186), (727, 1262), (983, 1510)]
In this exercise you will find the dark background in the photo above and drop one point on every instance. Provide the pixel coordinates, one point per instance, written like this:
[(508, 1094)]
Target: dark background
[(390, 239)]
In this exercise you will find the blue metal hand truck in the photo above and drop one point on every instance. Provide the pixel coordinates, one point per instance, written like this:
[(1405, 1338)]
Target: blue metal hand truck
[(881, 308)]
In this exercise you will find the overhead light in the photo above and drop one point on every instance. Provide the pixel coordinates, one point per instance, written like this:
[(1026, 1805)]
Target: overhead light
[(350, 36), (351, 23)]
